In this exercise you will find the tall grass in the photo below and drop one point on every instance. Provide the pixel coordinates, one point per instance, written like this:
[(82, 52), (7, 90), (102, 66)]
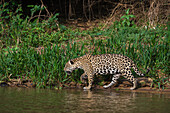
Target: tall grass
[(20, 57)]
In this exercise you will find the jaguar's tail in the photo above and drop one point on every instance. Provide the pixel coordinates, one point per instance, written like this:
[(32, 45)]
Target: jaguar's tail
[(138, 72)]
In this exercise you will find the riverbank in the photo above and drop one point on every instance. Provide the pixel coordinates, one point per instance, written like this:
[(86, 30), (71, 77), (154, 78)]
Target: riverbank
[(123, 85)]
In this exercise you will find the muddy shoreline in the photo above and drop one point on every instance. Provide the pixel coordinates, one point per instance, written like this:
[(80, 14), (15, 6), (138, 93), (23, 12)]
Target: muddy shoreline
[(124, 86)]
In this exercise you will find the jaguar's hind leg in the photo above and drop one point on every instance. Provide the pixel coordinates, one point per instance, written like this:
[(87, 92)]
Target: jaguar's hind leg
[(134, 84), (131, 78), (114, 79)]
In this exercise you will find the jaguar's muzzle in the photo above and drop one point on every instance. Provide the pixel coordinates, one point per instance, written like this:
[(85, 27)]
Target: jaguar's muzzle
[(68, 72)]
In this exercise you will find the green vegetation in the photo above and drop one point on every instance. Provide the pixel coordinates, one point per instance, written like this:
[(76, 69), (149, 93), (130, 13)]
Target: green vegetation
[(37, 50)]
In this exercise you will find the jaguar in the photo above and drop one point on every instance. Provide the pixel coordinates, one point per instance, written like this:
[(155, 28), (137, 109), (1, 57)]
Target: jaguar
[(104, 64)]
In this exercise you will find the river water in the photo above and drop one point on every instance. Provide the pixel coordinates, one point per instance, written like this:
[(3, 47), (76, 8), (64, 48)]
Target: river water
[(23, 100)]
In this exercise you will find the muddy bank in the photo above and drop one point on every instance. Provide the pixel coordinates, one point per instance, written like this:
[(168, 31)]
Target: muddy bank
[(144, 85), (125, 87)]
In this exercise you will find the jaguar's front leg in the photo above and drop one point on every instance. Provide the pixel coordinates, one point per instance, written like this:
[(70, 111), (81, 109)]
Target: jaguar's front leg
[(83, 78), (88, 69), (90, 80)]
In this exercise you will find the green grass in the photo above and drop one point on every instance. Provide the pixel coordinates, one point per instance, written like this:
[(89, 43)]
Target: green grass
[(20, 38)]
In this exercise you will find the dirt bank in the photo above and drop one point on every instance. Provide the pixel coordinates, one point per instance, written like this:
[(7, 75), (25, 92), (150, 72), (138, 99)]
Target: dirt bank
[(122, 85)]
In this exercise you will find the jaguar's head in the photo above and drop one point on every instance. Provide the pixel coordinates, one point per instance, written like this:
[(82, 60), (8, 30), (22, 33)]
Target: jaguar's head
[(70, 66)]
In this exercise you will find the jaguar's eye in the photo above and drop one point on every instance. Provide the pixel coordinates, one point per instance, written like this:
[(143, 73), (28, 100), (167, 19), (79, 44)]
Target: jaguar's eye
[(71, 62)]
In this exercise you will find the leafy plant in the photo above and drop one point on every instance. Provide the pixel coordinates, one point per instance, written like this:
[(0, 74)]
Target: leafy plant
[(160, 82), (126, 19)]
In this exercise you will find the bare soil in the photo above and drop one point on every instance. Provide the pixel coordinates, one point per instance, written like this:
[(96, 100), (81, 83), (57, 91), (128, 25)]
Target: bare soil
[(122, 85)]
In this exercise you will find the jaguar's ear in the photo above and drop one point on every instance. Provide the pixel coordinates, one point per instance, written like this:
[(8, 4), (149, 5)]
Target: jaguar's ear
[(71, 62)]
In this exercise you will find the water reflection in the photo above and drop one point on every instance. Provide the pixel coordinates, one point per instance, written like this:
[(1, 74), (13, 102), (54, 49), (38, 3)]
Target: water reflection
[(114, 102), (98, 101), (21, 100)]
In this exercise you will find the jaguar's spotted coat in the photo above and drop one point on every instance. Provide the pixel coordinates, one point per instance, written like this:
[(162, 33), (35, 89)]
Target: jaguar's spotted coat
[(104, 64)]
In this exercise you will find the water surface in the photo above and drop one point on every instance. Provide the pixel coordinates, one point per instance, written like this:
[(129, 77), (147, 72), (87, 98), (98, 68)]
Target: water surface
[(23, 100)]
